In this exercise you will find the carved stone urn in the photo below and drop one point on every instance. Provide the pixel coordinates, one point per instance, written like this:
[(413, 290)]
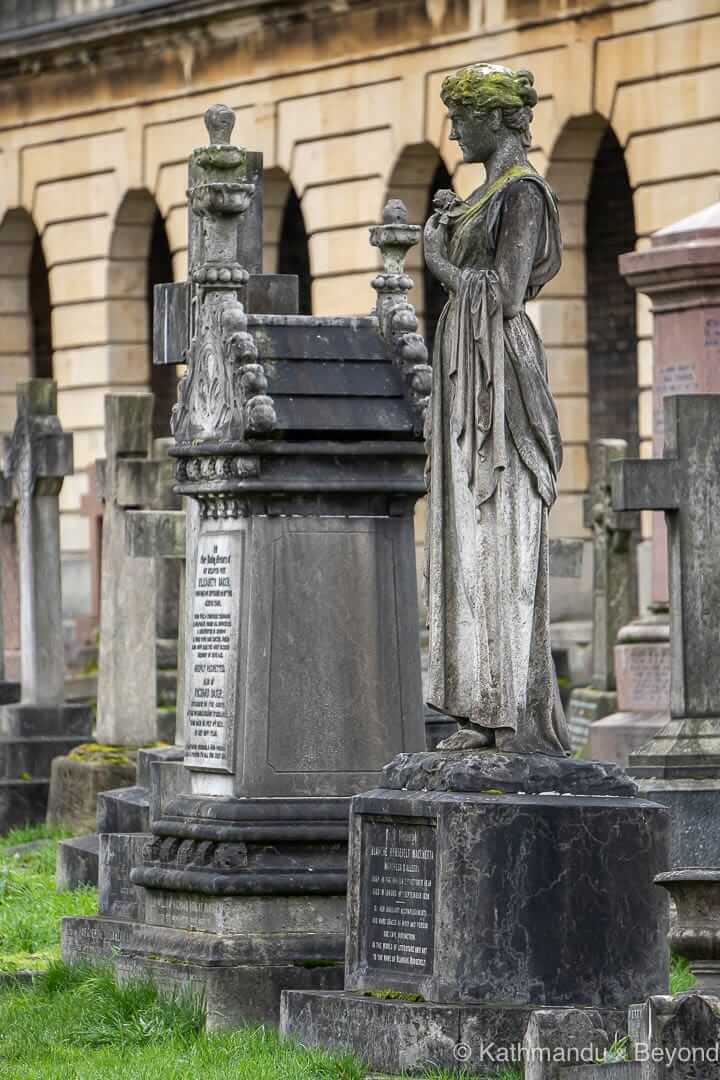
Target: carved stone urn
[(695, 933)]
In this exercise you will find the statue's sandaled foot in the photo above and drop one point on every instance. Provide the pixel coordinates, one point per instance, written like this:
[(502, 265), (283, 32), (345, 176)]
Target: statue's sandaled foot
[(468, 738)]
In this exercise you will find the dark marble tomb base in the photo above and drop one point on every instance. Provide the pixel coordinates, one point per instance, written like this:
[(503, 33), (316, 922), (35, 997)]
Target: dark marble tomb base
[(407, 1037), (547, 899)]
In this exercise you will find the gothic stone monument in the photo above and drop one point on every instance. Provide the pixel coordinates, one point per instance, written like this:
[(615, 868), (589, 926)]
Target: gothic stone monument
[(298, 438), (41, 726), (614, 593), (488, 878), (680, 767)]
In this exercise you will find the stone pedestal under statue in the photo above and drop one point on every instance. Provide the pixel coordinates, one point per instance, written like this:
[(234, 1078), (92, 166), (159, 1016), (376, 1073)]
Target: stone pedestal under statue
[(483, 886)]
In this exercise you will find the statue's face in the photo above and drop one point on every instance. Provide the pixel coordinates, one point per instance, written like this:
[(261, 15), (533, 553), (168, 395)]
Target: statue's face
[(476, 132)]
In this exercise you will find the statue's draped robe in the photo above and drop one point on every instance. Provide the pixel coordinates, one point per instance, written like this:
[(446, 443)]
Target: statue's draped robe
[(494, 457)]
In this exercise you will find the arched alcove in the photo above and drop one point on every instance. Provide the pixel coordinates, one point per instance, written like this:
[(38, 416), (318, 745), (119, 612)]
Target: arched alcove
[(25, 310), (587, 315), (285, 240), (163, 380), (611, 317), (418, 173), (140, 258)]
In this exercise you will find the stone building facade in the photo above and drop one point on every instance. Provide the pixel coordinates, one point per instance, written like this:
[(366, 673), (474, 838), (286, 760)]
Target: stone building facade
[(102, 100)]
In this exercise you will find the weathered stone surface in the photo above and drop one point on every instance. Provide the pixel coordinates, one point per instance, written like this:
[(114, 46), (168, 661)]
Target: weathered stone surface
[(77, 862), (408, 1037), (123, 810), (118, 898), (693, 806), (695, 932), (557, 1036), (621, 734), (510, 863), (74, 788), (679, 1037), (240, 977), (126, 677), (36, 459), (478, 771)]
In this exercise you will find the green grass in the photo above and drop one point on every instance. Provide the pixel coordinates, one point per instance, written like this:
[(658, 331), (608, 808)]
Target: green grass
[(77, 1024), (681, 977), (30, 908)]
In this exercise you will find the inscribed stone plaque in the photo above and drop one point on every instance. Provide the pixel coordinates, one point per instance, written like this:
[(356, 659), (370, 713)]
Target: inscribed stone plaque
[(643, 677), (213, 648), (397, 906)]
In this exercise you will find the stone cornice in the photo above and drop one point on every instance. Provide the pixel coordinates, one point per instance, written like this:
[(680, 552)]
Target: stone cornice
[(90, 40)]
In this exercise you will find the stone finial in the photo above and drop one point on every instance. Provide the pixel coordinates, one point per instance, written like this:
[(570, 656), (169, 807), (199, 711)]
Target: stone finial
[(395, 212), (219, 121)]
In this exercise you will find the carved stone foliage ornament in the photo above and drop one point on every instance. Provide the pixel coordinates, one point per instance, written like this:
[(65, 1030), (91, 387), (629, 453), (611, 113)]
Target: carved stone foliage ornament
[(223, 395)]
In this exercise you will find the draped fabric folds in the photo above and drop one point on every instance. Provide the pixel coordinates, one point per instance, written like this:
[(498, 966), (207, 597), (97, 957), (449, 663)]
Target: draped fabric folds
[(494, 457)]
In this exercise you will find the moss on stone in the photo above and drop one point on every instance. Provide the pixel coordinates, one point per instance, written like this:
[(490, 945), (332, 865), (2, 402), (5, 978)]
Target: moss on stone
[(393, 995)]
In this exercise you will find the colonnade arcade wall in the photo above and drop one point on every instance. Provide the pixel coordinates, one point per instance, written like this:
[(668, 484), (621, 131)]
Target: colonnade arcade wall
[(92, 181)]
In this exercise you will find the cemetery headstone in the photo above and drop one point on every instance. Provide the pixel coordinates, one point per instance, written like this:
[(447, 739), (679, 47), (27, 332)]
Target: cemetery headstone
[(9, 569), (127, 677), (680, 766), (614, 594), (9, 689), (299, 442), (41, 725), (678, 271), (487, 878), (93, 508)]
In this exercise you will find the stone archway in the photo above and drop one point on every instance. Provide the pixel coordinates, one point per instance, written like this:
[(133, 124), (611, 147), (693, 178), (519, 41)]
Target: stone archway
[(285, 240), (25, 310), (140, 258), (586, 315)]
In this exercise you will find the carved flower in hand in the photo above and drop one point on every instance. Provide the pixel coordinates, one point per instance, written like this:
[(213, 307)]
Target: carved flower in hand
[(447, 204)]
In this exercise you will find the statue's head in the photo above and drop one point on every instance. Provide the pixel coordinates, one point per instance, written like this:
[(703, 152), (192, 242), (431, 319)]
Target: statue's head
[(488, 104)]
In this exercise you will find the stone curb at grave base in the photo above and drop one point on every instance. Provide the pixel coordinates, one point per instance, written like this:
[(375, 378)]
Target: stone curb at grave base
[(75, 785)]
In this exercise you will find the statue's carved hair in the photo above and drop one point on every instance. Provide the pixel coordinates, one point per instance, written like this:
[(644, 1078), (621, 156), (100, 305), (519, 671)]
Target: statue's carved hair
[(482, 87)]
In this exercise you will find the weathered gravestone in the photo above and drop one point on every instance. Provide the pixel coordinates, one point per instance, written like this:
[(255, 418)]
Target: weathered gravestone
[(41, 726), (679, 272), (9, 563), (127, 687), (298, 439), (157, 535), (614, 594), (680, 767), (9, 689)]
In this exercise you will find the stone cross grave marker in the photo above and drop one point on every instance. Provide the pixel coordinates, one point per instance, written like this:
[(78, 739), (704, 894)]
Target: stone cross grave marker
[(127, 684), (614, 589), (685, 484), (36, 458)]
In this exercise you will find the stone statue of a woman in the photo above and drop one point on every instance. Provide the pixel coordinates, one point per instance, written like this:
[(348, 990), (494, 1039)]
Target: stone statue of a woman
[(494, 441)]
